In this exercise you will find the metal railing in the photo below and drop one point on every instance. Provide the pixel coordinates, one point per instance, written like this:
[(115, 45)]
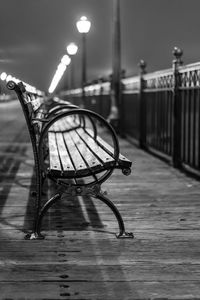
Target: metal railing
[(160, 110)]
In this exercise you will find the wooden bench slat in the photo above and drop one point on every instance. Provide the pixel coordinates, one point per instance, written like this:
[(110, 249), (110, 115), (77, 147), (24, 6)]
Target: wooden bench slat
[(103, 156), (64, 124), (90, 158), (71, 122), (78, 161), (63, 154), (53, 150), (54, 127), (122, 159)]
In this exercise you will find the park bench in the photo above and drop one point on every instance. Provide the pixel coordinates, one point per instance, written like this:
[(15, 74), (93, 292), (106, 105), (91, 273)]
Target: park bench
[(68, 150)]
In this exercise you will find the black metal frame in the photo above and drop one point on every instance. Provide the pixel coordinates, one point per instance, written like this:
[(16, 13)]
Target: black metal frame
[(92, 188)]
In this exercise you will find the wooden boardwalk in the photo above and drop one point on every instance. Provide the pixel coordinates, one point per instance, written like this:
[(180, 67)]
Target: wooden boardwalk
[(80, 257)]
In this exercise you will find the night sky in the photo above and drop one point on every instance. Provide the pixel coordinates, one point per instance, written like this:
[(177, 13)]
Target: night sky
[(34, 34)]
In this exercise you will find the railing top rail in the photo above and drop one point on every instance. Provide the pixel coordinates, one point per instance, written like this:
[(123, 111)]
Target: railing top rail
[(131, 80), (162, 73), (190, 67), (131, 83), (158, 74), (97, 86), (71, 92)]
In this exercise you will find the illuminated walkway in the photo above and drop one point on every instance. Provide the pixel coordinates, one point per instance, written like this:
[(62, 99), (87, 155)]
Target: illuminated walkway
[(80, 257)]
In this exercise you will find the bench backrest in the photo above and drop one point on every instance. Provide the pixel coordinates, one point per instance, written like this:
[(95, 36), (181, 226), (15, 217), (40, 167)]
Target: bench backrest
[(31, 104)]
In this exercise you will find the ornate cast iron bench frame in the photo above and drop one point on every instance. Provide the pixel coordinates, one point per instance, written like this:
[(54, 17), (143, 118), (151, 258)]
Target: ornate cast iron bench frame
[(47, 122)]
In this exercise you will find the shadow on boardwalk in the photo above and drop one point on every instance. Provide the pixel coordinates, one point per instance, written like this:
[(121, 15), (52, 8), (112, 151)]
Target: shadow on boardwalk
[(80, 257)]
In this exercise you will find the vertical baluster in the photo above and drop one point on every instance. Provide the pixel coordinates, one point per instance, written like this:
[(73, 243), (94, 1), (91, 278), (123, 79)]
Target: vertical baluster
[(157, 122), (163, 122), (176, 153), (184, 127), (189, 128), (153, 119), (171, 118), (142, 133), (167, 97), (162, 119), (194, 129), (198, 132)]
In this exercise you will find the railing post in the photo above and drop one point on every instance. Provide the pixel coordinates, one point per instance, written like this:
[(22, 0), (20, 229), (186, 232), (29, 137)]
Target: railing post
[(142, 105), (176, 137)]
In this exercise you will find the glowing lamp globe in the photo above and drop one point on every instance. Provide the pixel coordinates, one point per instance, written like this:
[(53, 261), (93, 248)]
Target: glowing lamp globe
[(72, 49), (83, 25)]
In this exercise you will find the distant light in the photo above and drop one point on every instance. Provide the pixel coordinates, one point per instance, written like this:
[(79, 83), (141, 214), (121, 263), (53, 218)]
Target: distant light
[(61, 68), (3, 75), (83, 25), (57, 76), (54, 83), (66, 60), (72, 49), (30, 88), (8, 78), (15, 80)]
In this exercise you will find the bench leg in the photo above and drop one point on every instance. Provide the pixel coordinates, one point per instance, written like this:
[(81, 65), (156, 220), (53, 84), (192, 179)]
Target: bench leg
[(36, 235), (44, 209), (122, 233), (38, 193)]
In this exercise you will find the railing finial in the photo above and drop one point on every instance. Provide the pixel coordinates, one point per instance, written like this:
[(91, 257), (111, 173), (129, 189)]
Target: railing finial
[(178, 53), (142, 64)]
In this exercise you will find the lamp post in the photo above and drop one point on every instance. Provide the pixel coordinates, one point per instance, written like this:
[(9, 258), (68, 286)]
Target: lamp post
[(72, 50), (115, 111), (83, 26)]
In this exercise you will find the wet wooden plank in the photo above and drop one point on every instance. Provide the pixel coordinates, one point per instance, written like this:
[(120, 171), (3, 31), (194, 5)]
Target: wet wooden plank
[(108, 290), (140, 271), (37, 290)]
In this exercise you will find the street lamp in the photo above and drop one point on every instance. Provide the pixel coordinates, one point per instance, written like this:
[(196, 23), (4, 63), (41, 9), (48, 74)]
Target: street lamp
[(72, 50), (83, 26)]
